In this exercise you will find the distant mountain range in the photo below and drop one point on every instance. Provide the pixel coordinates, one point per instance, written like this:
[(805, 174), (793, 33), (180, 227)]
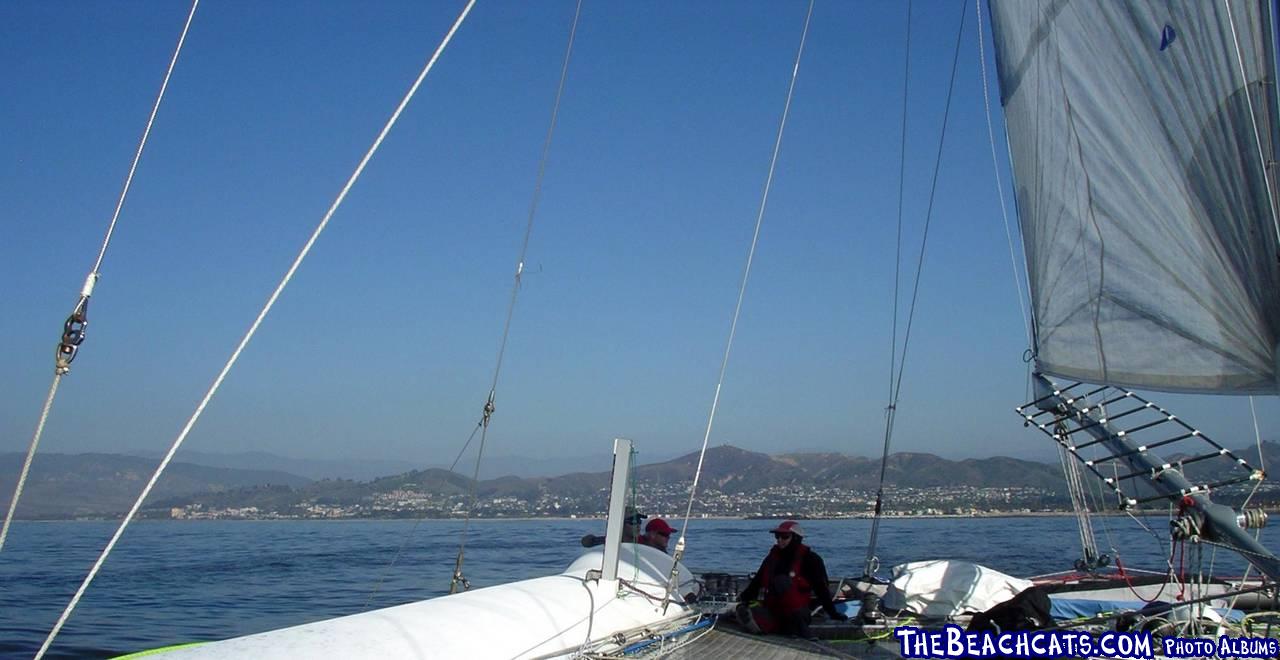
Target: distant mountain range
[(311, 468), (369, 469), (104, 485)]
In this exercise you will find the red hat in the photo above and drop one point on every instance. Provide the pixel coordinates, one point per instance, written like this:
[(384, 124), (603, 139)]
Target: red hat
[(788, 526), (658, 526)]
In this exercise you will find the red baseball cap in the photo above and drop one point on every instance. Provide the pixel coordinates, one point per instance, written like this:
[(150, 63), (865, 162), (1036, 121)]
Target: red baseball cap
[(788, 527), (658, 526)]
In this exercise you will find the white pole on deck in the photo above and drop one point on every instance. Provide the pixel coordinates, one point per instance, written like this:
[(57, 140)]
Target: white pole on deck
[(617, 508)]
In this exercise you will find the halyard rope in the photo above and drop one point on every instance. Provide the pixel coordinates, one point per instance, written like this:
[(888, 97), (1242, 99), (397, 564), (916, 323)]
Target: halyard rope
[(66, 614), (489, 408), (78, 320), (737, 310)]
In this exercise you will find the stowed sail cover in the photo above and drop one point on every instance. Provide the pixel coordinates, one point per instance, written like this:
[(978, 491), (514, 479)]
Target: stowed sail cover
[(1141, 187)]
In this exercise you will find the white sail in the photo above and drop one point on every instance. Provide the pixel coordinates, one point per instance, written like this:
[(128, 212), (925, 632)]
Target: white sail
[(1140, 135)]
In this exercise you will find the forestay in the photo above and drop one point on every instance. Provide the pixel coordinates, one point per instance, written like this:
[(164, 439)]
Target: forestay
[(1140, 135)]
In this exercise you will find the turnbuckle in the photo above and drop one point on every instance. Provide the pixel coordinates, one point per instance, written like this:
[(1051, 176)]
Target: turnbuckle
[(459, 578), (72, 336), (488, 410)]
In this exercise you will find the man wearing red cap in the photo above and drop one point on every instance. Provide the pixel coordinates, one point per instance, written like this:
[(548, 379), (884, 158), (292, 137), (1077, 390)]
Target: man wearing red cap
[(789, 576), (657, 534)]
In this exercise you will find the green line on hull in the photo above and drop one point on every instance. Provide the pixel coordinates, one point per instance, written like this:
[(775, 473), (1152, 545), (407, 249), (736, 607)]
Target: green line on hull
[(166, 649)]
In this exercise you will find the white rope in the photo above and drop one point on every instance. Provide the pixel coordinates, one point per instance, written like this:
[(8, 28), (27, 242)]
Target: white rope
[(31, 453), (591, 607), (746, 274), (66, 614), (61, 368), (995, 166), (1253, 119)]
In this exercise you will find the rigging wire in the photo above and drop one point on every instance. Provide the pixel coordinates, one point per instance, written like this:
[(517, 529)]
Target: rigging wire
[(1257, 435), (1080, 506), (235, 355), (404, 543), (902, 179), (1253, 120), (871, 565), (1262, 467), (1257, 533), (742, 289), (915, 292), (489, 408), (995, 167), (74, 327), (1095, 496)]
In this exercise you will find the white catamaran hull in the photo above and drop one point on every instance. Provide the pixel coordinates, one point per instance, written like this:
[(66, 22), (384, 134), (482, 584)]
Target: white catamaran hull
[(542, 617)]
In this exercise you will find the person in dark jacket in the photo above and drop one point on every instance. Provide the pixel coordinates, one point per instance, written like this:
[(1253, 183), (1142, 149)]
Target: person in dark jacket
[(630, 529), (789, 576)]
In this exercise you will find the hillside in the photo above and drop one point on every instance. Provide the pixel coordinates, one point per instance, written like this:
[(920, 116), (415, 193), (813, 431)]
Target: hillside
[(105, 485)]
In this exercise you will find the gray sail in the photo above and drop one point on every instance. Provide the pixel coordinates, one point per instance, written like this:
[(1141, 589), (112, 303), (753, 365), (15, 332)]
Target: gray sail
[(1139, 155)]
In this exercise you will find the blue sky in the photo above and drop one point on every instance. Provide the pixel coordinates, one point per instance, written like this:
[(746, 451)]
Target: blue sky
[(384, 345)]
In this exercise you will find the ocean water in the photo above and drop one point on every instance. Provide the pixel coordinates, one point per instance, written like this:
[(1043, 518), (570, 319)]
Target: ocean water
[(180, 581)]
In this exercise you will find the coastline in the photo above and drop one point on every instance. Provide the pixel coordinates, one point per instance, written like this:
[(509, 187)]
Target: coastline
[(497, 519)]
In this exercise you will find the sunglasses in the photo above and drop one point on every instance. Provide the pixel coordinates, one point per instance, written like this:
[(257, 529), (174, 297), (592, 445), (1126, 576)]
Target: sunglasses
[(782, 535)]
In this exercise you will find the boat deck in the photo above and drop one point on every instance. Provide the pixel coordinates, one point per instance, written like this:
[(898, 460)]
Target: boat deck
[(728, 643)]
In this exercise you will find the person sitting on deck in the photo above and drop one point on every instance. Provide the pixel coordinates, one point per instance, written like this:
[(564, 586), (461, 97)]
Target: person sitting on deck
[(630, 529), (789, 575), (657, 534), (631, 525)]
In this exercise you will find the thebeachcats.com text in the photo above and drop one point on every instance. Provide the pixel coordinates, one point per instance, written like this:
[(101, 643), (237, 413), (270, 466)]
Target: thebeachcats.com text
[(952, 641)]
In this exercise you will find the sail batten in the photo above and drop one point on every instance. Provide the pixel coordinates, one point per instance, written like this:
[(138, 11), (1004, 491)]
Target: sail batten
[(1140, 159)]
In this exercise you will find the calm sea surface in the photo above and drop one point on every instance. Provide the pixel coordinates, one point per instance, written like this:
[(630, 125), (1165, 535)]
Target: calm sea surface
[(173, 582)]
